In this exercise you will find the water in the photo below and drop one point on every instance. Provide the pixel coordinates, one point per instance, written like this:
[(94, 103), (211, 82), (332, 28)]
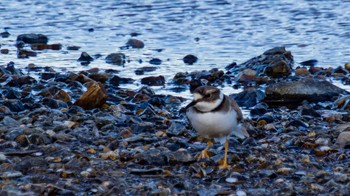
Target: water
[(217, 32)]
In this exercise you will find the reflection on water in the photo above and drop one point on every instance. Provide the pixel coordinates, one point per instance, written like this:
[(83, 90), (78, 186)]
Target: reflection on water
[(217, 31)]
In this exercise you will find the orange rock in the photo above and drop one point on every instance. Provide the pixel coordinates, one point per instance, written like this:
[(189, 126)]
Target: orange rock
[(94, 97), (62, 95), (347, 66)]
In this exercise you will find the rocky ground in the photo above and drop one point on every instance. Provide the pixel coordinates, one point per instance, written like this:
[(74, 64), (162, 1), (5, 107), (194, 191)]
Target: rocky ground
[(82, 133)]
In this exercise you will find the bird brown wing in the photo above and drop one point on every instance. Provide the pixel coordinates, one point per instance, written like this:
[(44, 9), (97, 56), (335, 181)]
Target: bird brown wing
[(235, 106)]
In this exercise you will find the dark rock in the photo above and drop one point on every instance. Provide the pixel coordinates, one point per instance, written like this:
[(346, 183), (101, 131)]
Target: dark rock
[(47, 75), (14, 105), (152, 157), (312, 62), (135, 43), (73, 47), (33, 38), (309, 111), (5, 34), (141, 70), (12, 94), (180, 156), (211, 75), (20, 81), (153, 80), (294, 92), (116, 59), (276, 62), (249, 97), (231, 66), (116, 81), (11, 68), (267, 118), (155, 61), (4, 51), (22, 53), (54, 103), (297, 123), (46, 46), (259, 109), (99, 77), (190, 59), (85, 57), (29, 163), (339, 71), (94, 97)]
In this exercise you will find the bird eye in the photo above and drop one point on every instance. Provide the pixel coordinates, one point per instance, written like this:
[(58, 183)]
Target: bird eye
[(208, 95)]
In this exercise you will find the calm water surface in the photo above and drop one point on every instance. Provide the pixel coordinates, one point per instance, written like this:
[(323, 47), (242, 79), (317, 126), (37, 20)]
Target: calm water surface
[(218, 32)]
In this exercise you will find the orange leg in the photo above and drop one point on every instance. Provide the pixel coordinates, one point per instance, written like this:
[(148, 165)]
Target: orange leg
[(225, 165), (204, 153)]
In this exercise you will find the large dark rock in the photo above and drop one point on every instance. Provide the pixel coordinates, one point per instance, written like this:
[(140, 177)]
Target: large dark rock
[(153, 80), (276, 62), (116, 59), (135, 43), (294, 92), (190, 59), (20, 81), (116, 81), (249, 97), (33, 38), (14, 105), (85, 57)]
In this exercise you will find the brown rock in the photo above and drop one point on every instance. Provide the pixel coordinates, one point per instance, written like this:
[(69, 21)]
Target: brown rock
[(62, 95), (135, 43), (302, 71), (94, 97), (343, 139), (347, 66)]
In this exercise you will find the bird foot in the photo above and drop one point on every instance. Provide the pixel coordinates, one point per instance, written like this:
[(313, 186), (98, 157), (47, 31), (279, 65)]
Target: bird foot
[(203, 155), (224, 166)]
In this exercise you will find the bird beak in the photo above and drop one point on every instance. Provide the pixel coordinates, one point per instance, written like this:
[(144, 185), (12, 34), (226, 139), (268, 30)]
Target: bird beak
[(191, 104)]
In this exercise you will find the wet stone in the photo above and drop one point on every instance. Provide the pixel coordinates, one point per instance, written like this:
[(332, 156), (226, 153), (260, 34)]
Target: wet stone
[(22, 53), (135, 43), (116, 80), (85, 57), (294, 92), (190, 59), (94, 97), (249, 97), (311, 62), (54, 103), (33, 38), (20, 81), (155, 61), (116, 59), (14, 105), (47, 75), (153, 80)]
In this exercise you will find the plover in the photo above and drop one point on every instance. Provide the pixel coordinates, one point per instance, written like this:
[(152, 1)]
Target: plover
[(215, 115)]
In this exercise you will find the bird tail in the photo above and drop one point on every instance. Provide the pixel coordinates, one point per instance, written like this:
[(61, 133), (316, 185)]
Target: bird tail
[(241, 132)]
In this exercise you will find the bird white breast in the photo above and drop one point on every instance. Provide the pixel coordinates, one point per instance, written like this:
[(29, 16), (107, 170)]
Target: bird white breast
[(213, 124)]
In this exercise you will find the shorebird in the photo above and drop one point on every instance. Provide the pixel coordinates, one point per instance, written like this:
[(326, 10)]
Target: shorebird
[(215, 115)]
